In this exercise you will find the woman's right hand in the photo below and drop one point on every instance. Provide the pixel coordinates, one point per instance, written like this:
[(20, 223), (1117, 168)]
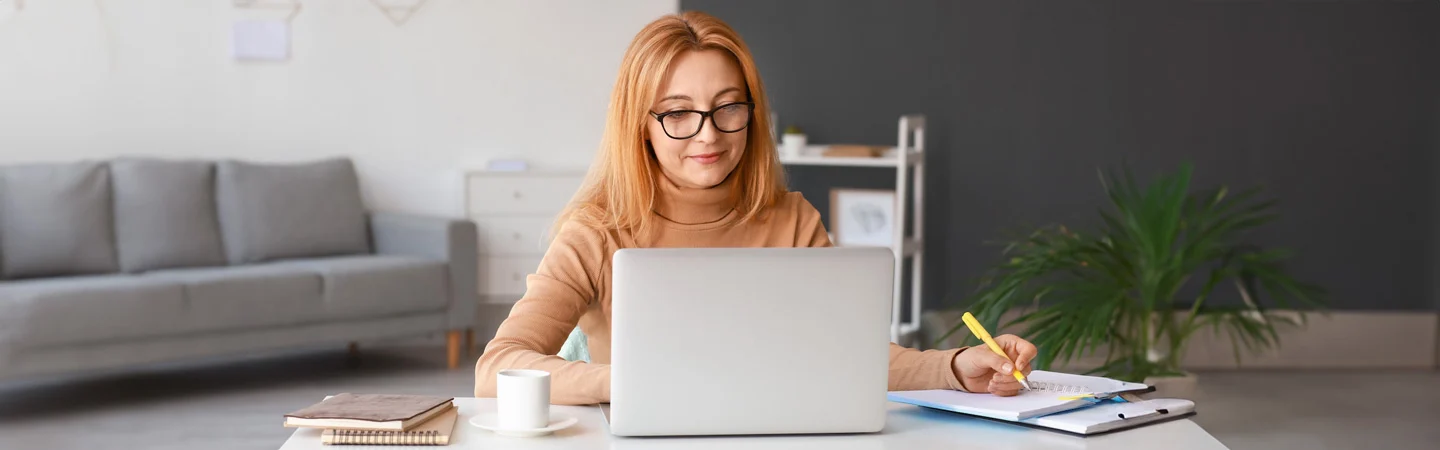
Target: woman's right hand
[(982, 370)]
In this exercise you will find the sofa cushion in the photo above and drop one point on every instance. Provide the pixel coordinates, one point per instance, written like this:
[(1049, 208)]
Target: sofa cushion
[(375, 285), (243, 297), (88, 309), (55, 220), (275, 211), (165, 214)]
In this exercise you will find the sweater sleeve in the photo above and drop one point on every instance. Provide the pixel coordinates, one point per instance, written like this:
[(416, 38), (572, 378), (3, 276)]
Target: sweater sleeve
[(910, 369), (556, 296)]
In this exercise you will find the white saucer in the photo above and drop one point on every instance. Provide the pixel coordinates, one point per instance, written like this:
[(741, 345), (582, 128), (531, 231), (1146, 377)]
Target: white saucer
[(492, 422)]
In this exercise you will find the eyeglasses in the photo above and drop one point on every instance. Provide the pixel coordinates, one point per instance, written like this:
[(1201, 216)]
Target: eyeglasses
[(685, 124)]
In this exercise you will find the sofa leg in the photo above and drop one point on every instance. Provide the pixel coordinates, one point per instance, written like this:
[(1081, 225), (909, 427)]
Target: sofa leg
[(352, 355), (452, 348), (469, 341)]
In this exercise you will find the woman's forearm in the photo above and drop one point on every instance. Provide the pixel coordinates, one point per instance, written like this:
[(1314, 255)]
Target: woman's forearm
[(571, 382)]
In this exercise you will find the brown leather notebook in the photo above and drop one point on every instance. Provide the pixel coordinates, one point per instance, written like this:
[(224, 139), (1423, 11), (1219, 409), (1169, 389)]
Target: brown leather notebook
[(369, 412)]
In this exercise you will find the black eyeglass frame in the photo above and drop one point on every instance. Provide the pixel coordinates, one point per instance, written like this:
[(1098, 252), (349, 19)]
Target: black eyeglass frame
[(750, 109)]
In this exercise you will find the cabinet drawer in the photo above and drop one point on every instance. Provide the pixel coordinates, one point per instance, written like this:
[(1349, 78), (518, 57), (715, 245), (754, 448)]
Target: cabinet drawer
[(521, 194), (506, 275), (513, 236)]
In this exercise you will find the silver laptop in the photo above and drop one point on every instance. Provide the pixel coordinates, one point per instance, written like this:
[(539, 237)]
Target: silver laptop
[(750, 341)]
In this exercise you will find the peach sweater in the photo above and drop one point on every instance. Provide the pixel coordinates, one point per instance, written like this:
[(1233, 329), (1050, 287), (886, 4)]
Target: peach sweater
[(572, 286)]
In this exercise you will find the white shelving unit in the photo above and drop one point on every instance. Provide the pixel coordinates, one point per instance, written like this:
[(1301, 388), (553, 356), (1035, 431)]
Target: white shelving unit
[(908, 154)]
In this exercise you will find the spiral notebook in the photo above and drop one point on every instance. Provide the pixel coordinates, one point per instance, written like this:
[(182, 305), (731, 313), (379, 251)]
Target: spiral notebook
[(435, 431), (1044, 397)]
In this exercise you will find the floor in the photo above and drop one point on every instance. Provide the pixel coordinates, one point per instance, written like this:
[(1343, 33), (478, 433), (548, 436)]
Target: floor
[(237, 404)]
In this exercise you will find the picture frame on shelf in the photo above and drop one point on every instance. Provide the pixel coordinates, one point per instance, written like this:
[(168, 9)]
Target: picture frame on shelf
[(862, 217)]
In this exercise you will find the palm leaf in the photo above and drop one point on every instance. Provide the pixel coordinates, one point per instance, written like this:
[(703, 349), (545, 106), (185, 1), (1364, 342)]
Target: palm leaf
[(1119, 288)]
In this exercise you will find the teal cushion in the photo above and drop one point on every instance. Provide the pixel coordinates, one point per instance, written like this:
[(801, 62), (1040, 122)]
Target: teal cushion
[(576, 348)]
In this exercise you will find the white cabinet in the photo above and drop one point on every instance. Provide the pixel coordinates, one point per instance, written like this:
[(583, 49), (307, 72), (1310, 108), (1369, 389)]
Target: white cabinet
[(521, 193), (513, 235), (503, 277), (514, 212)]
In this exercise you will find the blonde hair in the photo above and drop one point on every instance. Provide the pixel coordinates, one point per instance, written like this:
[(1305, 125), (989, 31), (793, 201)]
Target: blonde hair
[(619, 192)]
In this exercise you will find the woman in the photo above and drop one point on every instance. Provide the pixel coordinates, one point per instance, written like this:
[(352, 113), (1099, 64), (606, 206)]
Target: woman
[(686, 160)]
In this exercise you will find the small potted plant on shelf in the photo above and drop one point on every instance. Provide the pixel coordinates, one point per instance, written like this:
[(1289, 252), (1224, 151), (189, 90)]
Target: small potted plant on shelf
[(1137, 289), (793, 141)]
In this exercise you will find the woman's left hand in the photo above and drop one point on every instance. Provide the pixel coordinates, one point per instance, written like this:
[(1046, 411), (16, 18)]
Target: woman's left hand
[(981, 370)]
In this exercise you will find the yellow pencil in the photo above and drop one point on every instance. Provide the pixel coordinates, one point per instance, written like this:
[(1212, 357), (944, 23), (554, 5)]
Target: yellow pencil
[(980, 332)]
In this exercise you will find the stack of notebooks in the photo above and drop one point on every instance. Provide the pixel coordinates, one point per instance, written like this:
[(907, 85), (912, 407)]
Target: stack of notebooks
[(377, 419), (1052, 404)]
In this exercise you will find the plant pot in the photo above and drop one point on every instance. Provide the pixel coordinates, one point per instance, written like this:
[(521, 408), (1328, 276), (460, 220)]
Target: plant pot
[(793, 144), (1185, 387)]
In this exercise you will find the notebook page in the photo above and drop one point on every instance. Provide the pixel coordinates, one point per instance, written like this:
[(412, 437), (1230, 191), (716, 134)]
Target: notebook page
[(1070, 384), (1044, 398), (1027, 404)]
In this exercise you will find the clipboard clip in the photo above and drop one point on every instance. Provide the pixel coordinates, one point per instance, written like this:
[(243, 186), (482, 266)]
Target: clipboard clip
[(1143, 414)]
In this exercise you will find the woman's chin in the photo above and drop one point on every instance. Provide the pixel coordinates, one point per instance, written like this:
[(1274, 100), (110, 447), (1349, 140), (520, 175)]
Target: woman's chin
[(703, 176), (702, 183)]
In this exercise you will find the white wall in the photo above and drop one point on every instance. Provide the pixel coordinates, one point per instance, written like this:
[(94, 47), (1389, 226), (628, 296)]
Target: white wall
[(463, 82)]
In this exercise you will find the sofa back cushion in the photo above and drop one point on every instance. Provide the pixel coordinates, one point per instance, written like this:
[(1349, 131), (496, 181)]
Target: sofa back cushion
[(55, 219), (165, 214), (275, 211)]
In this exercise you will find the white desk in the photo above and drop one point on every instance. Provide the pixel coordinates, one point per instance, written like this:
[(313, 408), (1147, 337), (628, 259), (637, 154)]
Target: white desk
[(908, 427)]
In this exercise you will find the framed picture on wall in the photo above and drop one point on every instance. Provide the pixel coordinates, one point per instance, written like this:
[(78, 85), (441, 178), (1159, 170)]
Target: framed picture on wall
[(862, 217)]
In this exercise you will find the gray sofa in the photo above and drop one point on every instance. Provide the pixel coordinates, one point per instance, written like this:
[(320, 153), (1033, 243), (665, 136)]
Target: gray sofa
[(108, 264)]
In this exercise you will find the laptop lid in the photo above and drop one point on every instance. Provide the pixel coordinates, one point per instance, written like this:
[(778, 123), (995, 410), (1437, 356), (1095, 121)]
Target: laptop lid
[(750, 341)]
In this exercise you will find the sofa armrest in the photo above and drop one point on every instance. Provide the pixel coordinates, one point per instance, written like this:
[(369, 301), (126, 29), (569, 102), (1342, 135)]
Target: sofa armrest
[(454, 241)]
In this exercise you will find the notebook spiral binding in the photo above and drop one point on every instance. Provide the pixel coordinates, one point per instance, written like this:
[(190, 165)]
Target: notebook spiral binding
[(367, 437), (1057, 387)]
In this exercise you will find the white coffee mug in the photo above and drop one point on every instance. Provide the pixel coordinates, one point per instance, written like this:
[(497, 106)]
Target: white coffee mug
[(523, 397)]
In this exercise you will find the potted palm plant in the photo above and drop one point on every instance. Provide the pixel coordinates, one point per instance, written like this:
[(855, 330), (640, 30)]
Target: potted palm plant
[(1156, 272)]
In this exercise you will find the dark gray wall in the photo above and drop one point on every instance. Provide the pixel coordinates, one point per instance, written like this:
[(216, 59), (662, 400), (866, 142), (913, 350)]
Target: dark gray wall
[(1334, 107)]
